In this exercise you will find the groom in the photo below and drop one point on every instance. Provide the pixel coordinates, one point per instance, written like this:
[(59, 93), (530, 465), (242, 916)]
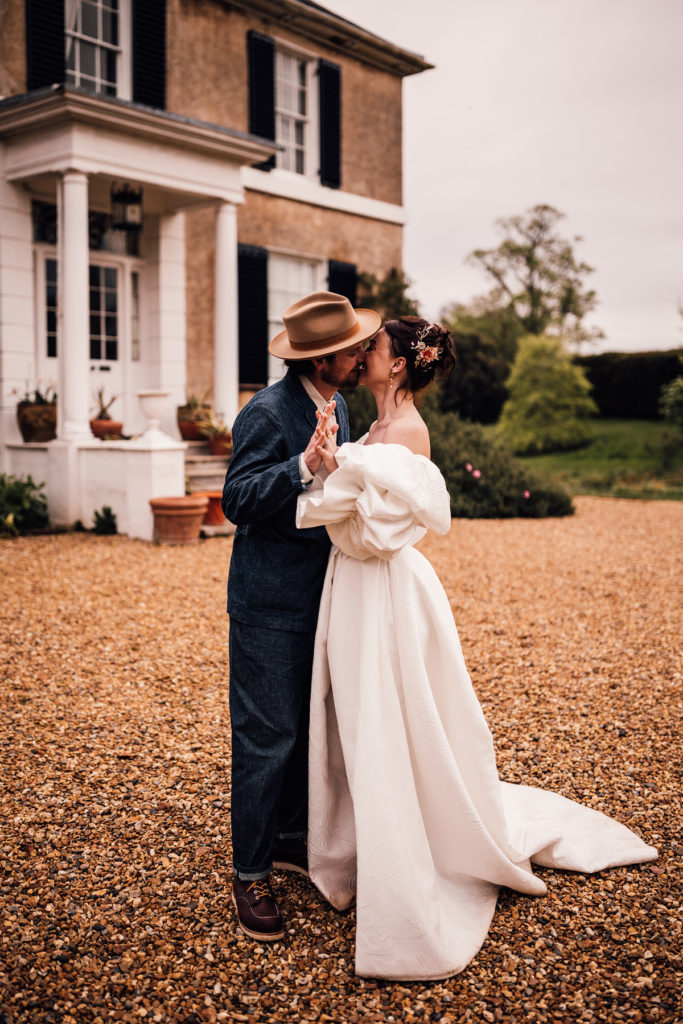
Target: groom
[(274, 586)]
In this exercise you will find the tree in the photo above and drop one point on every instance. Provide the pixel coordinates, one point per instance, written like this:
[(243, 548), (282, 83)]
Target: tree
[(476, 389), (387, 297), (537, 277), (549, 399), (500, 326)]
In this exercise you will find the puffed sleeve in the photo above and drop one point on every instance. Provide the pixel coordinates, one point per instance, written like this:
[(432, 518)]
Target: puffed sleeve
[(380, 499)]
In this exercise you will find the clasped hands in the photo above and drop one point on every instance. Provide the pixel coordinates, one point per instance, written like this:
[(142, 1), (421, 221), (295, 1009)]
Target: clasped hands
[(322, 448)]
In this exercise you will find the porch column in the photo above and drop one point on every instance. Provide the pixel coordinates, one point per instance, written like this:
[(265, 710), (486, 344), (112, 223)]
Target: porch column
[(74, 354), (226, 346)]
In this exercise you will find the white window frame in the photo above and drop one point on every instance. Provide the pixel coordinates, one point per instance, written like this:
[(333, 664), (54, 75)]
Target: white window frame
[(311, 148), (124, 50), (280, 296)]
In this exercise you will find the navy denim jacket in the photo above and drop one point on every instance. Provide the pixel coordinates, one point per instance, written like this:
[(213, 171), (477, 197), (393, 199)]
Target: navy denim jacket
[(276, 571)]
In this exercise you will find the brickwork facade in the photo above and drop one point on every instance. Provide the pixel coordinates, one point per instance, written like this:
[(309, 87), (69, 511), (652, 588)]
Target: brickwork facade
[(12, 48), (208, 79)]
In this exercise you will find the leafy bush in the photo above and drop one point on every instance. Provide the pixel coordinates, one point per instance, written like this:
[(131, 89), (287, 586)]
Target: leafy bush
[(549, 400), (484, 480), (104, 521), (23, 506), (628, 385), (671, 402), (476, 388)]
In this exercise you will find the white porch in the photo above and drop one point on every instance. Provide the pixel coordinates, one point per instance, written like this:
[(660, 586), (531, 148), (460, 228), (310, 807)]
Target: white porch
[(68, 148)]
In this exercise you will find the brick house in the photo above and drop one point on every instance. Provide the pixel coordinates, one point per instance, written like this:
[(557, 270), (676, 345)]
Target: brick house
[(252, 152)]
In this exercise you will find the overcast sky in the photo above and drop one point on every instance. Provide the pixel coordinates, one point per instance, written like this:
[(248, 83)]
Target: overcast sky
[(575, 103)]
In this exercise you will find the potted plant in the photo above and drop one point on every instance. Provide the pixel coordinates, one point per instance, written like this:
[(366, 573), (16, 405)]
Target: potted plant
[(217, 433), (102, 425), (196, 408), (37, 414), (178, 520)]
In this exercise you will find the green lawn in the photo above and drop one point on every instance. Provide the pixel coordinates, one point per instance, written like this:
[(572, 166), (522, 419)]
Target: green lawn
[(625, 459)]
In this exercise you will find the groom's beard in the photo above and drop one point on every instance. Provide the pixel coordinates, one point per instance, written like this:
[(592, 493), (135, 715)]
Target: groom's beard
[(333, 376)]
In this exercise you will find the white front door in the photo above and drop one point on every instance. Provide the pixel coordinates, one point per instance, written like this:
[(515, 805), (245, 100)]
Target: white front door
[(113, 303)]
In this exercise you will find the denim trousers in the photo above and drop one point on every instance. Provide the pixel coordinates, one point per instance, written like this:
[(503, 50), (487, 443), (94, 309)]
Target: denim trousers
[(270, 691)]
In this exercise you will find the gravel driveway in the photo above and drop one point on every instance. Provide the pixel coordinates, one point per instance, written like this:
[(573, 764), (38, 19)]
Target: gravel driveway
[(114, 800)]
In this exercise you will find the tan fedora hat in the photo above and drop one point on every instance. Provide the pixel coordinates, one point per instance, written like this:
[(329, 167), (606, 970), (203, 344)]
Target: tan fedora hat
[(323, 323)]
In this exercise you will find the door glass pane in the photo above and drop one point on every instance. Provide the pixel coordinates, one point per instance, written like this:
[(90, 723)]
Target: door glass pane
[(51, 307)]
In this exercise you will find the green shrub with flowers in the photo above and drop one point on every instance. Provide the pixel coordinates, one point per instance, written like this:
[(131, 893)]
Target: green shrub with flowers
[(486, 481)]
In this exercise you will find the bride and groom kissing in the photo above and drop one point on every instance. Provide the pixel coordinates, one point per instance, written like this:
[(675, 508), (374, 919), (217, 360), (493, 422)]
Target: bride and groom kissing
[(360, 753)]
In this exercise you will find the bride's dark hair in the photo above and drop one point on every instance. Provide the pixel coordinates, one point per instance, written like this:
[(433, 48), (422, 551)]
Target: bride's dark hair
[(426, 347)]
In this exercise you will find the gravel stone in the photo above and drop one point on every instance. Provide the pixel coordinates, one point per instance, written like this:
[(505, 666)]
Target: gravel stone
[(115, 798)]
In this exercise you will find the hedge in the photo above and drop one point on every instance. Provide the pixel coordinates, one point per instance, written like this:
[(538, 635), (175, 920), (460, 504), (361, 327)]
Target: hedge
[(628, 385)]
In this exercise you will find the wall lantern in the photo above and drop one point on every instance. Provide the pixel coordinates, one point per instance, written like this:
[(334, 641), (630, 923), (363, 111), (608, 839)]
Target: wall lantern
[(126, 208)]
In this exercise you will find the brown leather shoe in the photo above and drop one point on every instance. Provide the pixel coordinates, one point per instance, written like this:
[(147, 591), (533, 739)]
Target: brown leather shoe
[(257, 910)]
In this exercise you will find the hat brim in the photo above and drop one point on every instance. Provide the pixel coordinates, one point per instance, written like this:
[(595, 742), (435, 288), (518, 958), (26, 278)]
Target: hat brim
[(369, 322)]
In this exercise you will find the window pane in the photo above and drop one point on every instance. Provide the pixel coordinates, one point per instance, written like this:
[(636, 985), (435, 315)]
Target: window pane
[(94, 323), (300, 161), (110, 27), (95, 348), (89, 20), (51, 271), (51, 321), (109, 277), (111, 349), (110, 326), (71, 55), (299, 133), (87, 54), (110, 301), (109, 67)]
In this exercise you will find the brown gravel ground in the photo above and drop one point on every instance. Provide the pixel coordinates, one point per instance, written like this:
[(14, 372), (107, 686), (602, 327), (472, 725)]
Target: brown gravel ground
[(115, 845)]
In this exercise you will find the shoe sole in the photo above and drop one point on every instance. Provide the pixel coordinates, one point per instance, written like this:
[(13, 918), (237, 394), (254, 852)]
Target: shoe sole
[(285, 865), (259, 936)]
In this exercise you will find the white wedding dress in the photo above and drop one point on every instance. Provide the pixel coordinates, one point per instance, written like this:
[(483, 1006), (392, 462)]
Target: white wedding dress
[(407, 813)]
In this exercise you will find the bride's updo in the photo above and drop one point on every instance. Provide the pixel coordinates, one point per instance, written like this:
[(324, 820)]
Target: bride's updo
[(426, 347)]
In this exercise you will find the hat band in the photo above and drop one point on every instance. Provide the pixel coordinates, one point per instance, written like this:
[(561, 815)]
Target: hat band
[(331, 340)]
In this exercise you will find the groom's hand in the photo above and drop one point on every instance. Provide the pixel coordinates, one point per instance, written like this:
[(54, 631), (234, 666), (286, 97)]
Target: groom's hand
[(312, 453)]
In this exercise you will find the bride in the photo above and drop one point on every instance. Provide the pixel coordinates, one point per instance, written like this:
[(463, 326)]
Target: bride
[(407, 814)]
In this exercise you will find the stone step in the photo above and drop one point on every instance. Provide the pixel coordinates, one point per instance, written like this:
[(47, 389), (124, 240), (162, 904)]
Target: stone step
[(204, 471)]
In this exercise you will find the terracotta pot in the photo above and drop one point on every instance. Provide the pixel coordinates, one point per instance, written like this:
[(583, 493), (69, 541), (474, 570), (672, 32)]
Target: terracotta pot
[(37, 422), (220, 445), (178, 520), (106, 428), (187, 421), (214, 513)]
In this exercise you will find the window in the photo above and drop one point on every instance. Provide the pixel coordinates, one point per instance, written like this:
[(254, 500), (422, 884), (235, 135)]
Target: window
[(104, 319), (291, 111), (289, 277), (295, 100), (96, 36)]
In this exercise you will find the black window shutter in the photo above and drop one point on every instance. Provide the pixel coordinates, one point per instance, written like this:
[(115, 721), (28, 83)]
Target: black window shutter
[(342, 278), (45, 43), (252, 271), (330, 123), (149, 53), (261, 57)]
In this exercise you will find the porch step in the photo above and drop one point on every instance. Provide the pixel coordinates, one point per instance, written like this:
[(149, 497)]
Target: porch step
[(203, 471)]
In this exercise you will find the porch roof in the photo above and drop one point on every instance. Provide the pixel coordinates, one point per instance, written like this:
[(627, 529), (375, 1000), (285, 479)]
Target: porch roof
[(60, 128)]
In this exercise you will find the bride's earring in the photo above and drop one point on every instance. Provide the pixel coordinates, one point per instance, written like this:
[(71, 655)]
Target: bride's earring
[(391, 377)]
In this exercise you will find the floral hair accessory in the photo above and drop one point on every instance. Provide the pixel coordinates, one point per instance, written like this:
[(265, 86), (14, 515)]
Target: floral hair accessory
[(424, 353)]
